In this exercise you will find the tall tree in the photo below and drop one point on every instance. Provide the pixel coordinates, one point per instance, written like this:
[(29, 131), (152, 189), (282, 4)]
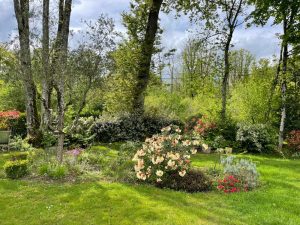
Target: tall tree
[(58, 67), (285, 13), (233, 11), (147, 47), (22, 15), (46, 79)]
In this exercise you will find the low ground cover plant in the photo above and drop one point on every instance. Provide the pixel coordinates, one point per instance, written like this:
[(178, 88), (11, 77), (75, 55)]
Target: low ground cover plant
[(230, 184), (241, 171)]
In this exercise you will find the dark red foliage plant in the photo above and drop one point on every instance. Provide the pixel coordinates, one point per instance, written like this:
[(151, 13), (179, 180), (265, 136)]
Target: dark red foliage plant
[(294, 140)]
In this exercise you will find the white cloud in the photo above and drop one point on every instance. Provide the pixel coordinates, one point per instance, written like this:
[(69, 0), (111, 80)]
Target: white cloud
[(261, 41)]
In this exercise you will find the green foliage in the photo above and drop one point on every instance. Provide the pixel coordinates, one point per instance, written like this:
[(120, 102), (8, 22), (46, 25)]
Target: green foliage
[(249, 98), (19, 156), (16, 169), (18, 126), (159, 101), (80, 134), (130, 128), (19, 144), (11, 96), (193, 181), (256, 137), (53, 170), (121, 167), (119, 85), (48, 140), (242, 169)]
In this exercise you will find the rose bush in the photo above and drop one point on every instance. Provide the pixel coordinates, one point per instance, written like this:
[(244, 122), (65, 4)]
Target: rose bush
[(164, 154)]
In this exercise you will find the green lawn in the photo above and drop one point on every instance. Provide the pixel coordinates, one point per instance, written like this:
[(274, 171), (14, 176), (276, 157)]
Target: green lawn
[(277, 201)]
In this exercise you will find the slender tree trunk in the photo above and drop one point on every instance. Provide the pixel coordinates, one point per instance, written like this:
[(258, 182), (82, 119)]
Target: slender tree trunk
[(60, 61), (143, 73), (22, 14), (226, 75), (274, 84), (46, 79), (82, 103), (283, 89)]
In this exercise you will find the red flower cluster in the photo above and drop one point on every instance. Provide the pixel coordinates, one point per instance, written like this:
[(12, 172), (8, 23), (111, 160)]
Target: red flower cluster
[(202, 127), (294, 139), (6, 117), (230, 185), (10, 114)]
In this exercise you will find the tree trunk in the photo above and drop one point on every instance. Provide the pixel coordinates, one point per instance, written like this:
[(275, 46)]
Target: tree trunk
[(46, 79), (143, 73), (283, 89), (82, 103), (274, 84), (22, 15), (226, 76), (60, 61)]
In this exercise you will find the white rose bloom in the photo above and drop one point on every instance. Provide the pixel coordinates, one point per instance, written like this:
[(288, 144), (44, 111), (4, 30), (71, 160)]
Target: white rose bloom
[(187, 156), (159, 159), (159, 173), (186, 143), (178, 130), (205, 146), (137, 168), (158, 180), (171, 163), (182, 173), (143, 176), (153, 160), (140, 163), (196, 142), (141, 152), (194, 151), (139, 175)]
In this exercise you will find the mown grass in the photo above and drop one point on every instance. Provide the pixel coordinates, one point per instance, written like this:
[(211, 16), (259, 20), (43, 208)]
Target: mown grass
[(277, 201)]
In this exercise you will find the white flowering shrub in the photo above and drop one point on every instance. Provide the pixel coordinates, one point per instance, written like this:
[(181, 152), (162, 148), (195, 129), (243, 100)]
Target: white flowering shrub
[(256, 137), (164, 154), (243, 169)]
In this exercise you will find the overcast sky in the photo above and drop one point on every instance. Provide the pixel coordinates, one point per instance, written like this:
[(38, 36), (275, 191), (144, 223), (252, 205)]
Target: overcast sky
[(260, 41)]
